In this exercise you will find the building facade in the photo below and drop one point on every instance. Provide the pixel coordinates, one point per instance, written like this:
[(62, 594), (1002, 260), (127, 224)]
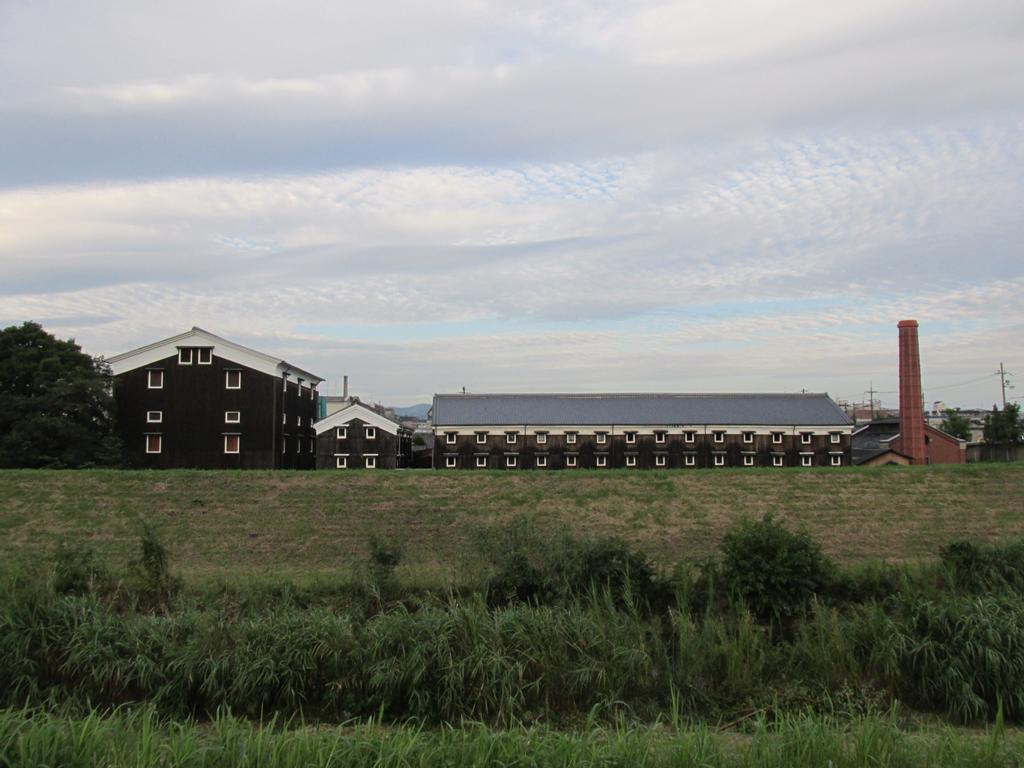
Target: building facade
[(358, 437), (638, 431), (200, 401)]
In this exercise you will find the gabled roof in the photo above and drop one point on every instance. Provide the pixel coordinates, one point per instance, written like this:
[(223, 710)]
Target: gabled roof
[(809, 410), (229, 350), (361, 412)]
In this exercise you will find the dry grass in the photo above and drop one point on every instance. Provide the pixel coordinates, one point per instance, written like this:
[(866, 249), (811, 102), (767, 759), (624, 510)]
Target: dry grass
[(299, 523)]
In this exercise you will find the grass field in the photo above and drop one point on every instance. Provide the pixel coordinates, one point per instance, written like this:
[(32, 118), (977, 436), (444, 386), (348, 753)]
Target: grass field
[(292, 523)]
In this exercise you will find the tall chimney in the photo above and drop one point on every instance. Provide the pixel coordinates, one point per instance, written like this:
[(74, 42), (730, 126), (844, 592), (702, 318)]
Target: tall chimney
[(344, 387), (911, 409)]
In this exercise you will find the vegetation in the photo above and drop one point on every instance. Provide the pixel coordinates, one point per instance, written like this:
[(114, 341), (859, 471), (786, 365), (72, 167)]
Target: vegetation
[(1004, 427), (55, 404), (956, 424)]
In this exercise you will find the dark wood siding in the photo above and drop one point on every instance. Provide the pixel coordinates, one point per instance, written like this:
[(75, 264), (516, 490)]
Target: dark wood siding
[(392, 451)]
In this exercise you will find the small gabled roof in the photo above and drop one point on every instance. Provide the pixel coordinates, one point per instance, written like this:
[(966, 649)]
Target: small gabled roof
[(638, 409), (361, 412), (229, 350)]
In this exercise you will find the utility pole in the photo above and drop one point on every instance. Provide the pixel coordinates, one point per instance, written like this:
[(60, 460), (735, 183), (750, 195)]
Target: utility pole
[(1002, 383), (871, 399)]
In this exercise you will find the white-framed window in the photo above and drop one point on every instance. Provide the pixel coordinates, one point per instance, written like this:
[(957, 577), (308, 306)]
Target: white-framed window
[(630, 438), (451, 461), (312, 445), (451, 437), (718, 436), (284, 444), (748, 437), (481, 462), (776, 438), (690, 461), (185, 356), (601, 438), (659, 438), (341, 462), (481, 438), (542, 461), (232, 443), (204, 356), (570, 438), (154, 443), (805, 438), (806, 460), (542, 438), (719, 460), (602, 461), (232, 379), (371, 433), (232, 417), (511, 437), (631, 461), (834, 437), (298, 421), (284, 418), (341, 433), (154, 417), (511, 461), (154, 379), (570, 461), (689, 436), (776, 461), (659, 460), (371, 462), (748, 461), (837, 460)]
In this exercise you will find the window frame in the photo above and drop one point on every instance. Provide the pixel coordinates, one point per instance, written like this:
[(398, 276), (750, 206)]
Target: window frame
[(341, 462), (227, 378), (159, 419), (238, 445), (777, 438), (748, 461), (341, 433), (719, 460), (806, 438), (369, 433), (660, 437), (481, 438), (542, 438), (690, 436), (601, 462), (481, 462), (369, 462), (511, 438), (571, 462), (630, 437), (542, 462), (778, 461), (159, 443), (209, 356), (159, 372), (718, 435), (631, 461), (229, 420), (511, 462), (748, 437), (451, 462), (181, 355), (835, 438), (836, 460), (689, 460), (661, 460), (451, 438), (601, 438), (806, 460), (570, 438)]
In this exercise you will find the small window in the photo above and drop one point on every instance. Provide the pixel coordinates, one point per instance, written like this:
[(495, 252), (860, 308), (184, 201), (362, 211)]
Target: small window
[(154, 443), (451, 437), (570, 438), (341, 433), (481, 438), (776, 438), (602, 461), (719, 436), (776, 461), (341, 462), (185, 356), (748, 461), (602, 438), (837, 460), (542, 438), (719, 460), (805, 461), (690, 436), (748, 437), (371, 462), (371, 433), (631, 461), (204, 356), (232, 379), (659, 438), (155, 379), (659, 461), (154, 417), (232, 443), (312, 445), (298, 421), (232, 417), (834, 437), (511, 437), (481, 462), (542, 461), (284, 444), (631, 438), (691, 461), (284, 418), (450, 461), (805, 438), (511, 461), (570, 461)]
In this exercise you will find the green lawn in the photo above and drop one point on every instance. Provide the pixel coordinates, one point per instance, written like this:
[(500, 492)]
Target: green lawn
[(294, 523)]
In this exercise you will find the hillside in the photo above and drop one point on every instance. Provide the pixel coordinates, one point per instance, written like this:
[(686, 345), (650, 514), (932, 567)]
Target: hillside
[(300, 523)]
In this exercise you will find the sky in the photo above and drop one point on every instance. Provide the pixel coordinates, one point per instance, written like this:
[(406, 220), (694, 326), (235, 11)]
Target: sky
[(531, 196)]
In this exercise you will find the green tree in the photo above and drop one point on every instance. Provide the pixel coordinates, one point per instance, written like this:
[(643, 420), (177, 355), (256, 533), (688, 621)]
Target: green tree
[(956, 424), (55, 402), (1004, 426)]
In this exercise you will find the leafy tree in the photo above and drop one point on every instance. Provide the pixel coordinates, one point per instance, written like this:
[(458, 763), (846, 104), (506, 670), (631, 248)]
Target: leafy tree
[(956, 424), (55, 402), (1004, 426)]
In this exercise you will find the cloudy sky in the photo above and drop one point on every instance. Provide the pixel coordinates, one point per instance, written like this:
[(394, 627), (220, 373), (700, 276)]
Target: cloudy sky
[(690, 196)]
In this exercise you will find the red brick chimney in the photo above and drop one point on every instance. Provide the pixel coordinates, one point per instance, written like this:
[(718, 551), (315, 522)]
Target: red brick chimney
[(911, 409)]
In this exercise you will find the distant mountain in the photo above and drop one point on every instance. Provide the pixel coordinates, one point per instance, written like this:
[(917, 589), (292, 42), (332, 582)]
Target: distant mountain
[(418, 411)]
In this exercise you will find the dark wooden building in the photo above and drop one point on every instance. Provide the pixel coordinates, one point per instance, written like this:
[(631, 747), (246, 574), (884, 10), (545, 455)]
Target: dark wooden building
[(358, 437), (197, 400), (639, 431)]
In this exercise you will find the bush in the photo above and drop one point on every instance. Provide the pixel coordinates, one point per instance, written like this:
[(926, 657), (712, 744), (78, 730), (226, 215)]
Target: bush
[(981, 570), (774, 570), (76, 571), (151, 571)]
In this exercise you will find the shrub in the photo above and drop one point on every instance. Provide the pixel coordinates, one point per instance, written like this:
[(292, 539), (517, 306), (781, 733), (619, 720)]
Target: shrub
[(151, 571), (776, 571), (76, 571), (980, 570)]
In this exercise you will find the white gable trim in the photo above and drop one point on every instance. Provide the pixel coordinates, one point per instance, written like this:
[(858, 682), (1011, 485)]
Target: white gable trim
[(228, 350), (357, 411)]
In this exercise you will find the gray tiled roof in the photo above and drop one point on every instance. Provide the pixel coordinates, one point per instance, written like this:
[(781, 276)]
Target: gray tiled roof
[(614, 409)]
